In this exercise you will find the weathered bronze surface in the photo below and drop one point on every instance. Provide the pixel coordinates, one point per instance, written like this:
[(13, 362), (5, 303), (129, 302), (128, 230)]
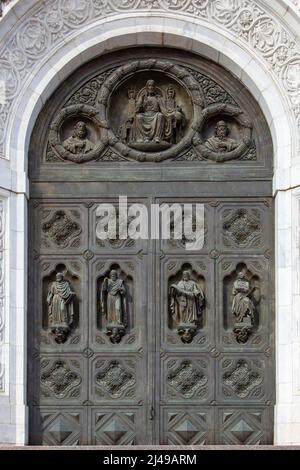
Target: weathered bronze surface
[(143, 341)]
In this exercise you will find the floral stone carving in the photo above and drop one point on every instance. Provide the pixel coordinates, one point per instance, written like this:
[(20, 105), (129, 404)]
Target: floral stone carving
[(41, 28)]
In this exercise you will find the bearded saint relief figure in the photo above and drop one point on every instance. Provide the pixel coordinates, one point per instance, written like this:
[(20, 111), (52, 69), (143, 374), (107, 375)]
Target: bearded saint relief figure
[(78, 143), (154, 120), (187, 300), (220, 142), (60, 300), (113, 306), (243, 307)]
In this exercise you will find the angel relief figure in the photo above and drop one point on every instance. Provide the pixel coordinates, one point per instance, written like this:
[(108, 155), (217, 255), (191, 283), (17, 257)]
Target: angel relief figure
[(154, 120), (113, 306), (187, 300)]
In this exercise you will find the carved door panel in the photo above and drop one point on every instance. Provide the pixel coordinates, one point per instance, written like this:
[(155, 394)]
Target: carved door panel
[(145, 341), (90, 380), (215, 382)]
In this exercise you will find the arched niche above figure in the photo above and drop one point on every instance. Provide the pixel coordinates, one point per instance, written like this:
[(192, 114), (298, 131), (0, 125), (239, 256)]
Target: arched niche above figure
[(115, 303), (186, 302), (241, 302), (61, 294)]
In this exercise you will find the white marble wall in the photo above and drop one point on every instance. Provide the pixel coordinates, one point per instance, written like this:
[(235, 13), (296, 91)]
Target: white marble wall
[(274, 88), (13, 339), (287, 417)]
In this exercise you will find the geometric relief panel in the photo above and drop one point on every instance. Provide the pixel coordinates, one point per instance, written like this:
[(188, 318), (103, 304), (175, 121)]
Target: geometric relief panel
[(243, 379), (114, 427), (183, 427), (244, 227), (115, 243), (62, 379), (243, 427), (113, 379), (187, 378), (191, 222), (56, 427), (60, 228)]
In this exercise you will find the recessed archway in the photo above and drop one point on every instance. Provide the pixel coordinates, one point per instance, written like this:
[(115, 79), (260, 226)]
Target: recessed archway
[(210, 42)]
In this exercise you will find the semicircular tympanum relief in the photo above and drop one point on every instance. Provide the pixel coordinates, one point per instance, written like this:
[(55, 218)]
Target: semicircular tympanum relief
[(151, 110)]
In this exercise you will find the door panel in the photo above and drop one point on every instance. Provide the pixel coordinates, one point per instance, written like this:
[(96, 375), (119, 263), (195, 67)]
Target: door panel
[(151, 383), (171, 369)]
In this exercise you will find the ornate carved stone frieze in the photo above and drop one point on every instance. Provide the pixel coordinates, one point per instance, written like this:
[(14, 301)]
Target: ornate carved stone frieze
[(48, 24), (212, 92), (166, 111)]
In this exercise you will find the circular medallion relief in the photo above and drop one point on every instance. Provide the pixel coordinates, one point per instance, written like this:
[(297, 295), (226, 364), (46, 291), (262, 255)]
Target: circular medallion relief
[(75, 134), (152, 108), (150, 114)]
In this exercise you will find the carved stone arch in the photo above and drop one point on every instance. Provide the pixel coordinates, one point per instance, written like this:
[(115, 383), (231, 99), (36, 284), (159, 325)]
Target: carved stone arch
[(276, 133), (103, 87), (247, 21)]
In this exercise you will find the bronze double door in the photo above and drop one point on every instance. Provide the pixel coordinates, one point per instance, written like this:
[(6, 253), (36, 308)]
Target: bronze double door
[(150, 385)]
